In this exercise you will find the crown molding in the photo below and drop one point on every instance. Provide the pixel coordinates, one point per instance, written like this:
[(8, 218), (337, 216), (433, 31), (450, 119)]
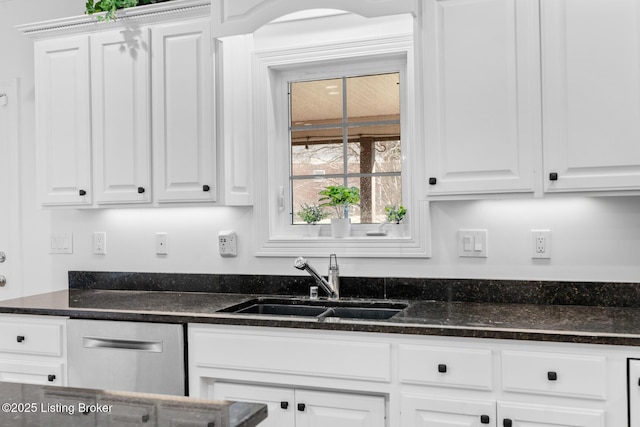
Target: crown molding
[(139, 15)]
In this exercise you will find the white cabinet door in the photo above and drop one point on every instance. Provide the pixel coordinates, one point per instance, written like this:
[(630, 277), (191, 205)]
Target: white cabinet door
[(523, 415), (184, 148), (591, 107), (63, 121), (307, 408), (482, 95), (280, 401), (320, 408), (120, 114), (634, 393), (429, 411)]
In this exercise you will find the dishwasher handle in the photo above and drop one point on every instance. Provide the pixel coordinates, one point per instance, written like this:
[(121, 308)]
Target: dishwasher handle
[(121, 344)]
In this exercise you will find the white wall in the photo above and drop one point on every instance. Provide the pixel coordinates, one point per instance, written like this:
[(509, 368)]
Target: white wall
[(593, 239)]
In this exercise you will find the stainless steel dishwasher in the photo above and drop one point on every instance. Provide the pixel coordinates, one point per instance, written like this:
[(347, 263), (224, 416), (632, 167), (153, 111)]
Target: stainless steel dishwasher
[(126, 356)]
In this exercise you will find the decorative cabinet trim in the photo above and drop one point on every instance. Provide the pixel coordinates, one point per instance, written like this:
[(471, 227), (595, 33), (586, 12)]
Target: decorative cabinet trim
[(160, 12)]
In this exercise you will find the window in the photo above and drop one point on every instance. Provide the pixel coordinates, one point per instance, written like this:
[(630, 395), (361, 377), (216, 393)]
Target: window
[(326, 113), (346, 131)]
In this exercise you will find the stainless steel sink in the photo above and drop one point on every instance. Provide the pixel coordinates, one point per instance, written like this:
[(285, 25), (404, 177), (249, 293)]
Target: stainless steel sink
[(320, 309)]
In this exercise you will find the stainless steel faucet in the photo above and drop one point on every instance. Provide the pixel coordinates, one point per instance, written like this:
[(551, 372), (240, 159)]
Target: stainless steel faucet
[(332, 286)]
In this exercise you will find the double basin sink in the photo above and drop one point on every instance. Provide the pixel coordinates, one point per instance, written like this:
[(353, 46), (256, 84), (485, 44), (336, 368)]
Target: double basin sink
[(319, 309)]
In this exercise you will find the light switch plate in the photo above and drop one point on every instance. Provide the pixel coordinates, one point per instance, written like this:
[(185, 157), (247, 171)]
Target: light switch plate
[(162, 244), (472, 243), (61, 243)]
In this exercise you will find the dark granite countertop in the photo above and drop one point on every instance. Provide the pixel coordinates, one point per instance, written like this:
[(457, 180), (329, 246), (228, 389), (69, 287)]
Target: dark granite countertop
[(31, 405), (541, 322)]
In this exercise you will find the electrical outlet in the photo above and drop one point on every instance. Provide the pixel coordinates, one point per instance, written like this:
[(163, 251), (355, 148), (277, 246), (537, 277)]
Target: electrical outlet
[(100, 242), (541, 244), (228, 242), (162, 244)]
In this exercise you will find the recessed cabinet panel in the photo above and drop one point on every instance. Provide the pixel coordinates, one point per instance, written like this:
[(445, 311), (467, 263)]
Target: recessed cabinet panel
[(482, 95), (449, 367), (429, 411), (591, 107), (521, 414), (569, 375), (63, 109), (184, 147), (121, 127)]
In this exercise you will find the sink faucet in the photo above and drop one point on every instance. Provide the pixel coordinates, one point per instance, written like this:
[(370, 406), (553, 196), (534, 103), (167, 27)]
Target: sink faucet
[(332, 286)]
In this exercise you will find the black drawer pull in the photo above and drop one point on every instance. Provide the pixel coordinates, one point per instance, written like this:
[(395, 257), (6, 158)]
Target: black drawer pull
[(284, 405), (484, 419), (82, 193), (301, 407), (20, 338), (552, 376), (507, 423), (206, 188), (140, 190), (145, 418), (553, 176), (433, 180), (442, 368), (51, 378)]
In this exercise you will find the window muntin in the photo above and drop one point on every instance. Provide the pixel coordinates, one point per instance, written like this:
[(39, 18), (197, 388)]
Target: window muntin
[(347, 131)]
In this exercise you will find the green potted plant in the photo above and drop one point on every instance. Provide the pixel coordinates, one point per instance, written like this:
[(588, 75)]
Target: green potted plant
[(312, 215), (394, 216), (111, 6), (340, 198)]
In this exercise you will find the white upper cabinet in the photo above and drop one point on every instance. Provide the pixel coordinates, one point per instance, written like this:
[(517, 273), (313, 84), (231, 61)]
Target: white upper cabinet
[(591, 106), (235, 17), (95, 108), (63, 115), (482, 85), (184, 148), (121, 116)]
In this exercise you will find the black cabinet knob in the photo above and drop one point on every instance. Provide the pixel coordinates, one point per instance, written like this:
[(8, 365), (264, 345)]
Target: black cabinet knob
[(507, 423), (82, 192), (433, 180), (284, 405), (145, 418), (301, 407), (206, 188), (20, 338), (51, 378), (484, 419), (140, 190), (442, 368), (553, 176), (552, 376)]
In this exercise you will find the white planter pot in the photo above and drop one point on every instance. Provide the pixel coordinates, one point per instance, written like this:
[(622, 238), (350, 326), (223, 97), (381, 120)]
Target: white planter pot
[(313, 230), (395, 230), (340, 227)]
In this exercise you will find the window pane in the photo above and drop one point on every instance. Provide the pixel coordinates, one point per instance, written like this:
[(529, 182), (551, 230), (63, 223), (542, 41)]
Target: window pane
[(317, 152), (375, 194), (305, 191), (316, 103), (373, 98), (375, 149)]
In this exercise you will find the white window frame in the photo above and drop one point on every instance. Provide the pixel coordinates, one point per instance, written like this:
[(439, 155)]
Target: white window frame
[(272, 70)]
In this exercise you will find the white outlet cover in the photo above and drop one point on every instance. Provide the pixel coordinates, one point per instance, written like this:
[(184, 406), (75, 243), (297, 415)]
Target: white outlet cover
[(100, 242), (162, 244), (541, 244)]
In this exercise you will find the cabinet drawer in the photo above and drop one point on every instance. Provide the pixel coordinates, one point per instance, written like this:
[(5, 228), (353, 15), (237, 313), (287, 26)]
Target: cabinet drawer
[(570, 375), (297, 354), (20, 371), (445, 366), (31, 337)]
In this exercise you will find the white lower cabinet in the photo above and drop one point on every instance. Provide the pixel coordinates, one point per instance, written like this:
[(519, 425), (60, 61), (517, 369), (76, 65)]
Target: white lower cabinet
[(289, 407), (343, 378), (33, 349)]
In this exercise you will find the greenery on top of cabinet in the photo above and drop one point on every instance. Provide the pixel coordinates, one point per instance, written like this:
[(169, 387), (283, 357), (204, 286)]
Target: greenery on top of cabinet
[(111, 6)]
